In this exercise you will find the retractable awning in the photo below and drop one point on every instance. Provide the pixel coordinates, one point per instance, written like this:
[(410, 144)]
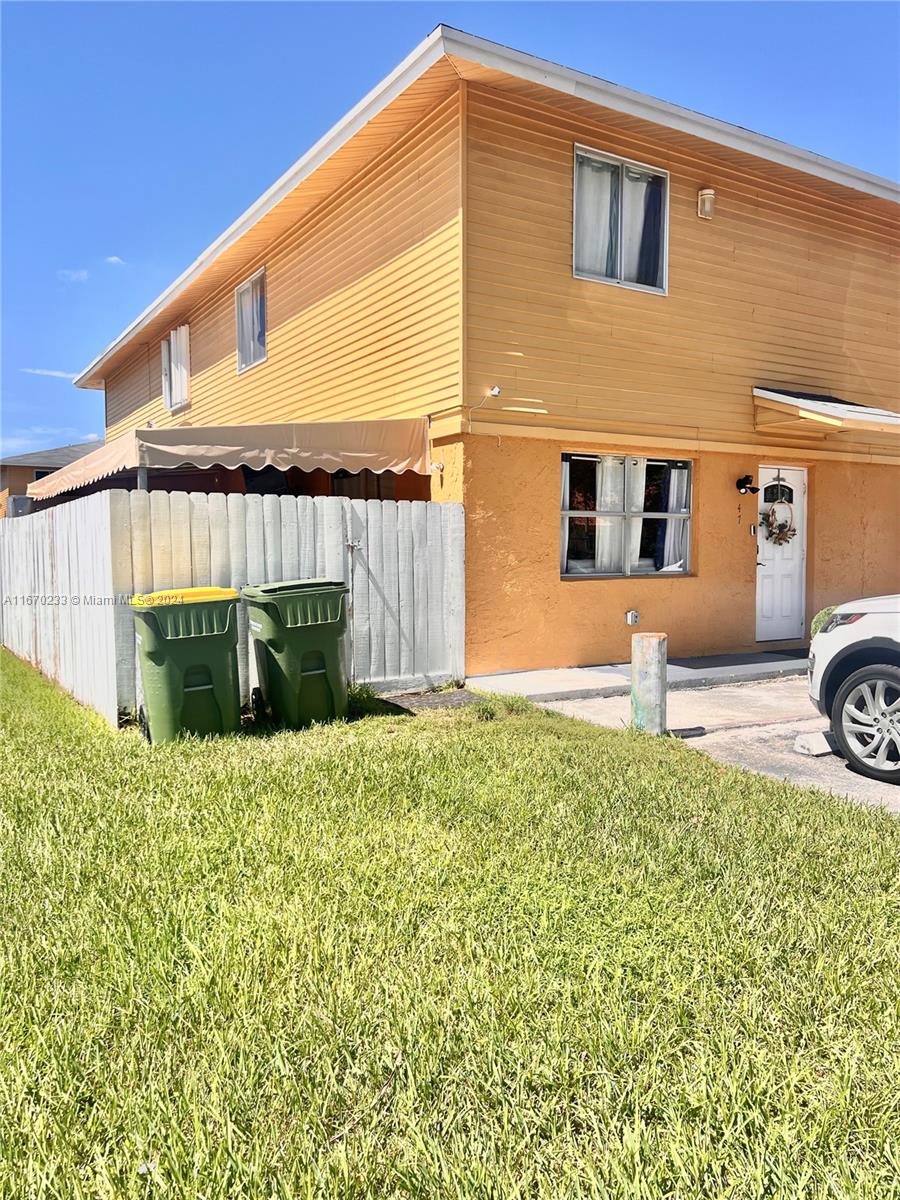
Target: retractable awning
[(394, 445), (815, 415)]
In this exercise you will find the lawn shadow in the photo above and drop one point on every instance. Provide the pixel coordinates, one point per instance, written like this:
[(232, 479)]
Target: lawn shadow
[(363, 702)]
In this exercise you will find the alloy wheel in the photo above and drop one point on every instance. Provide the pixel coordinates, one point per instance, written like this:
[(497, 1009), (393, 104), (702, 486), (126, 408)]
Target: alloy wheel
[(870, 722)]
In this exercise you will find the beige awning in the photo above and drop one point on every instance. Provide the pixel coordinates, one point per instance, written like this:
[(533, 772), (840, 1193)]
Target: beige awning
[(815, 415), (395, 445)]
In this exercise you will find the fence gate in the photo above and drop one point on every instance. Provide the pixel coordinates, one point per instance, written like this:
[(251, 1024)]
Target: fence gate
[(67, 573)]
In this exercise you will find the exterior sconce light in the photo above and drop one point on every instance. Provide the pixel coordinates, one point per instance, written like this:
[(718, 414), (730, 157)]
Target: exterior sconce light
[(706, 203), (743, 485), (494, 391)]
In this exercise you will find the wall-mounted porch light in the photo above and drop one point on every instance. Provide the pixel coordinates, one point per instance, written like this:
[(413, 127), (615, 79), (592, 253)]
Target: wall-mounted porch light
[(706, 203), (743, 485)]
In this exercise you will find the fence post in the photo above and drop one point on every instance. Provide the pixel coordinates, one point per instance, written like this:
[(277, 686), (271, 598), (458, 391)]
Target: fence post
[(648, 682)]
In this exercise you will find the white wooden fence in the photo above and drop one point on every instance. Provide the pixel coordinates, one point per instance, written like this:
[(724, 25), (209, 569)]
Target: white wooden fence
[(67, 574), (54, 568)]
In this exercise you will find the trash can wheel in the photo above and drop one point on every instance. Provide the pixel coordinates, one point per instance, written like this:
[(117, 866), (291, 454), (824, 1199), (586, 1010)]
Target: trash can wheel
[(143, 723), (258, 705)]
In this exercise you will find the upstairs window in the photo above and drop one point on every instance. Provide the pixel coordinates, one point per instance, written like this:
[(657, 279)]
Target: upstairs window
[(250, 313), (620, 221), (176, 368), (625, 516)]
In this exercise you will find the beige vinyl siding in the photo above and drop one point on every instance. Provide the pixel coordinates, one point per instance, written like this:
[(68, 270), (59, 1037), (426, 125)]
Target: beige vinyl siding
[(782, 288), (134, 394), (363, 305)]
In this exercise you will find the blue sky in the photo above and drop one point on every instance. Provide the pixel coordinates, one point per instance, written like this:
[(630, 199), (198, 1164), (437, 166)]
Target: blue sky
[(135, 133)]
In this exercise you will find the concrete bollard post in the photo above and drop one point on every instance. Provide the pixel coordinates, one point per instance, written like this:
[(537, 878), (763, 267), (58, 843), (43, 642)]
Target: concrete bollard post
[(648, 682)]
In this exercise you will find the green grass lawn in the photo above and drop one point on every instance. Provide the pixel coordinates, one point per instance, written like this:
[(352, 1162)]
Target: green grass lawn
[(481, 953)]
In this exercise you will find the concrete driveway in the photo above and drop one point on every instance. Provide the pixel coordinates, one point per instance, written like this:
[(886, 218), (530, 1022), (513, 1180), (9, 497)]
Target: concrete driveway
[(750, 725)]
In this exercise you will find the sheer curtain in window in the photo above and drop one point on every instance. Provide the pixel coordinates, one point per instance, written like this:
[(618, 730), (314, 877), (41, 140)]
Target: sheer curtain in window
[(251, 322), (564, 521), (675, 547), (642, 226), (596, 217), (610, 498), (637, 485), (245, 310)]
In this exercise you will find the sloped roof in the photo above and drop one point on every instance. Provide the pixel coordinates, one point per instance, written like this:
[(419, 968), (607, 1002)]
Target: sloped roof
[(403, 97), (819, 414), (54, 458)]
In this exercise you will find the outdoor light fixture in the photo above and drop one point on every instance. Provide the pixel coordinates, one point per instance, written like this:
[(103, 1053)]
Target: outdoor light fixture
[(495, 391), (706, 203), (743, 485)]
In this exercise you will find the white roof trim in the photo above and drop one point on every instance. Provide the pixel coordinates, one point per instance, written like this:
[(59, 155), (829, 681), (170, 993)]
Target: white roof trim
[(425, 55), (611, 95), (836, 414), (445, 40)]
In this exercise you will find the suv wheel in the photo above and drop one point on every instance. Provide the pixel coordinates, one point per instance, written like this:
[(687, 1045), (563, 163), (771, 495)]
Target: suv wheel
[(866, 722)]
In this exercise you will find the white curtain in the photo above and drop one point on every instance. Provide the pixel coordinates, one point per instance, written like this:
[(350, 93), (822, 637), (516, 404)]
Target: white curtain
[(676, 543), (633, 222), (596, 217), (610, 498), (642, 226), (637, 483), (181, 366), (176, 367), (251, 322), (564, 529)]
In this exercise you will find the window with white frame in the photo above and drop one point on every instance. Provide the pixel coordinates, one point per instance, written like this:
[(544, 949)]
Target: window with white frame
[(175, 350), (250, 315), (625, 516), (619, 221)]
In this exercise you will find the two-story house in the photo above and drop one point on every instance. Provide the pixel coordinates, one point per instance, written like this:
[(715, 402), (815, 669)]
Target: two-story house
[(621, 318)]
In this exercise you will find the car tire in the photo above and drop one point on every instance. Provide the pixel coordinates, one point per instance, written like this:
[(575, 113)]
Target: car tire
[(865, 720)]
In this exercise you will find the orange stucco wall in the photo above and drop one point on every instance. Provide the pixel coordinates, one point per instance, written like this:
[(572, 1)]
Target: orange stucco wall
[(520, 614)]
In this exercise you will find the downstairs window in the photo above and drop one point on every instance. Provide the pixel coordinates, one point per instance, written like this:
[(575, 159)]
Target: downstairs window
[(624, 516)]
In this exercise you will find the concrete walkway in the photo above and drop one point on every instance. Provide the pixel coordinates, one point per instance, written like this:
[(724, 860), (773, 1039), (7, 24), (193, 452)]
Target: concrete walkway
[(750, 725), (581, 683), (695, 712)]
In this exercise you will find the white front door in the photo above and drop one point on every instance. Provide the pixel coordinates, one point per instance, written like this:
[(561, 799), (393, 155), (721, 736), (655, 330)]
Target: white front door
[(781, 559)]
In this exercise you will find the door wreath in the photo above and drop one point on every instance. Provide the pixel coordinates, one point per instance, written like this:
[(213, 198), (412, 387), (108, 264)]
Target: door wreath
[(778, 530)]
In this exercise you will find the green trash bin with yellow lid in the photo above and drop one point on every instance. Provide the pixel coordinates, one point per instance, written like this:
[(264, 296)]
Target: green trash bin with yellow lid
[(299, 629), (187, 649)]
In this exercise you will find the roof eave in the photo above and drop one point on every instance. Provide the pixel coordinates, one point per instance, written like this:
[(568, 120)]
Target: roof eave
[(610, 95), (445, 40), (415, 64)]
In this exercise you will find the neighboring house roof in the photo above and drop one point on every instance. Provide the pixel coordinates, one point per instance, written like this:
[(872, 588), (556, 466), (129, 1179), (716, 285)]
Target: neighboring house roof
[(52, 459), (443, 58)]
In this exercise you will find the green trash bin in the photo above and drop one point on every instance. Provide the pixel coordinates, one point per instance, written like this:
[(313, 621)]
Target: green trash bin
[(187, 647), (298, 629)]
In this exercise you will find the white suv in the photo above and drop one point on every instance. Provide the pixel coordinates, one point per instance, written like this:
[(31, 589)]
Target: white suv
[(854, 680)]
